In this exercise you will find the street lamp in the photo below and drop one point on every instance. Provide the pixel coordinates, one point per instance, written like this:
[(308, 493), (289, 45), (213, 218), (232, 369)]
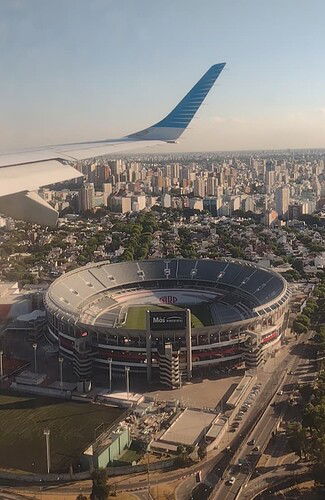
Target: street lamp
[(127, 372), (46, 433), (61, 371), (1, 363), (110, 373), (35, 359)]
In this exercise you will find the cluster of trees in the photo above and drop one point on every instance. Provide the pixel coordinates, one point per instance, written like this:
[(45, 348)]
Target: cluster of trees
[(314, 311), (100, 486), (307, 437), (319, 294), (320, 290), (302, 323), (313, 246), (139, 236), (183, 455), (291, 275), (320, 339), (312, 220), (89, 247), (227, 243), (21, 274), (186, 247)]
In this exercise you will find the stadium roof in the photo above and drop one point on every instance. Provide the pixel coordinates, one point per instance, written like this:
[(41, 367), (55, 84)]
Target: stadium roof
[(246, 288)]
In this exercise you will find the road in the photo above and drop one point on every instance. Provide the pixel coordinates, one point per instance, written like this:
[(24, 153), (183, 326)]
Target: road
[(262, 430), (261, 435), (259, 484), (184, 489)]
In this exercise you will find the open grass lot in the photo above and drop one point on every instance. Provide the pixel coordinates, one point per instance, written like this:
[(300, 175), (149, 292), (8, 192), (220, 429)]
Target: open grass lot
[(136, 316), (72, 426)]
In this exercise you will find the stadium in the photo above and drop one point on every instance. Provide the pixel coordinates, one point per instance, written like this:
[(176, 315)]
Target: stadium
[(163, 318)]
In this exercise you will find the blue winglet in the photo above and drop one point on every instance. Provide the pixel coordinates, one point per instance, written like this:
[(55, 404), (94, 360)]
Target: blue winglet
[(174, 124), (183, 113)]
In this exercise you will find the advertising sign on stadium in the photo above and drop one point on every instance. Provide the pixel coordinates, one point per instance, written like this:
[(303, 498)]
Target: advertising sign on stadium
[(167, 320)]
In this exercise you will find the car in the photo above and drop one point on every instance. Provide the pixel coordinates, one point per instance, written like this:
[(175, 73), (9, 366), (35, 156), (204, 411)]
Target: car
[(231, 480), (280, 393), (235, 424), (256, 448), (251, 442)]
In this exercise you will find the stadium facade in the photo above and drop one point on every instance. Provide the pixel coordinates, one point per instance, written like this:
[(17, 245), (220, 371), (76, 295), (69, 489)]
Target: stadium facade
[(235, 312)]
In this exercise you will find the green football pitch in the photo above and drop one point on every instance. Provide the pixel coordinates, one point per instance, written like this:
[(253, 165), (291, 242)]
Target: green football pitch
[(136, 316), (73, 427)]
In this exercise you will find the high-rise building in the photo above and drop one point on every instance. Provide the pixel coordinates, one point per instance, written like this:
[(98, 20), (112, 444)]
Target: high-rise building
[(235, 203), (199, 187), (166, 201), (116, 167), (295, 211), (108, 189), (140, 203), (175, 171), (248, 204), (186, 173), (196, 203), (211, 186), (281, 198), (133, 173), (86, 197), (120, 204), (269, 180), (271, 217)]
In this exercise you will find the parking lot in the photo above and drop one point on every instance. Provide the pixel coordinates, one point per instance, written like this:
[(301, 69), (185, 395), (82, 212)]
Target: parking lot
[(246, 404)]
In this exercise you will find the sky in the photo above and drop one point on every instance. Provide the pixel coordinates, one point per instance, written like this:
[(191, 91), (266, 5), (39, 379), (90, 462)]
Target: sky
[(82, 70)]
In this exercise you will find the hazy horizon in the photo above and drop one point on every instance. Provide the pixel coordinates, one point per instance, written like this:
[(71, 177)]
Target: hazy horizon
[(75, 71)]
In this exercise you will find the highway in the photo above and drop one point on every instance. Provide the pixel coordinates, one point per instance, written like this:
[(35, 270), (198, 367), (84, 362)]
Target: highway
[(262, 430)]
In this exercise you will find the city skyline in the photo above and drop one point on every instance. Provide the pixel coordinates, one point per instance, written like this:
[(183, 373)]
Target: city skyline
[(78, 71)]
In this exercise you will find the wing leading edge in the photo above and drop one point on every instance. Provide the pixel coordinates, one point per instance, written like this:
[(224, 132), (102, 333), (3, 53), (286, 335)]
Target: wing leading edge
[(23, 172)]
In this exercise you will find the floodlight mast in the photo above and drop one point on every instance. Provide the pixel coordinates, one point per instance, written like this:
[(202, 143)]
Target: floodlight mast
[(110, 373), (1, 363), (46, 433), (35, 356), (61, 371), (127, 372)]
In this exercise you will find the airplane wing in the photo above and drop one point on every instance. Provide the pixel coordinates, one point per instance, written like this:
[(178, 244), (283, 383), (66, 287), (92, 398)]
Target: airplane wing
[(23, 172)]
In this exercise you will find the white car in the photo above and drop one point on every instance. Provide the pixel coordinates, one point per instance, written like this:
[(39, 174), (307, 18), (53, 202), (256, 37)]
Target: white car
[(231, 480)]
